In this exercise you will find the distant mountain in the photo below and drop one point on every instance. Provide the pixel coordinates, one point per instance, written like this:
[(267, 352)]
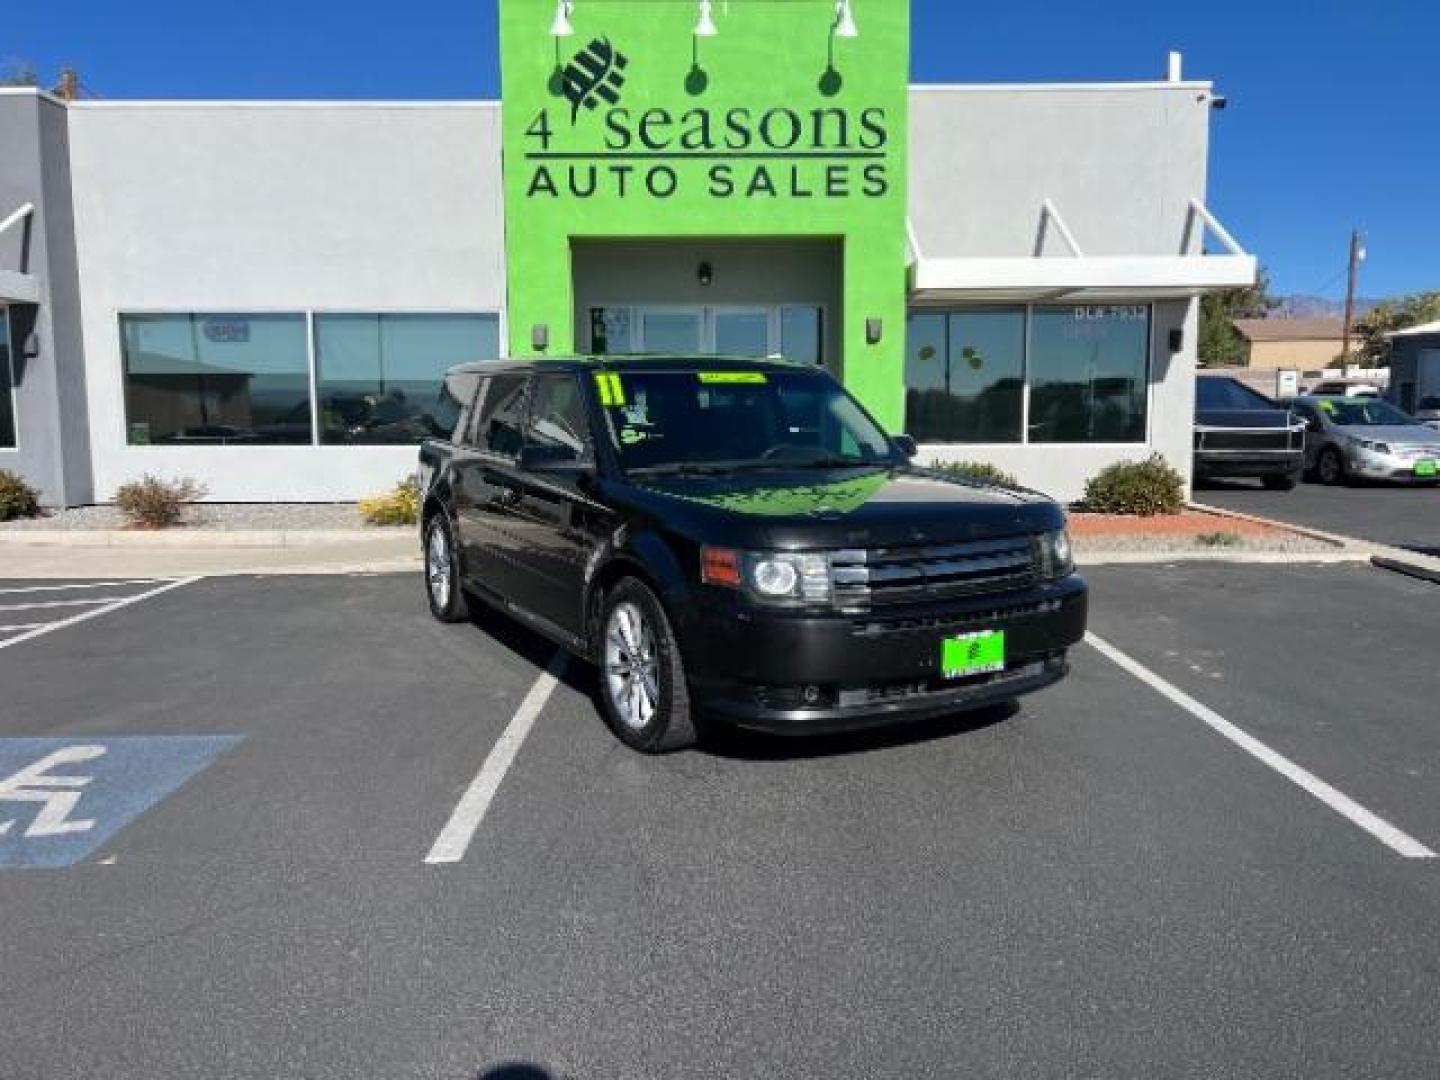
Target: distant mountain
[(1319, 307)]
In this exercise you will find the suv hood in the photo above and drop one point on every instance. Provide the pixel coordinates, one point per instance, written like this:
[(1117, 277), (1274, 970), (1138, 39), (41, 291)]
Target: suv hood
[(824, 508)]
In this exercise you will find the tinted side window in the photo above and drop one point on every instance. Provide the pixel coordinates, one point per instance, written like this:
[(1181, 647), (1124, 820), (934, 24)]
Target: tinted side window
[(559, 427), (456, 394), (501, 417)]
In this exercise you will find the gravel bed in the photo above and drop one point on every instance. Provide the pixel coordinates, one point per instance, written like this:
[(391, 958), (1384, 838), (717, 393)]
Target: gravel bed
[(227, 517), (1160, 544)]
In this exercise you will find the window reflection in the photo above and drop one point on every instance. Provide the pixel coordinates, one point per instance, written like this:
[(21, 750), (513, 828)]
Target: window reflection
[(1089, 373), (216, 379), (379, 377), (964, 374)]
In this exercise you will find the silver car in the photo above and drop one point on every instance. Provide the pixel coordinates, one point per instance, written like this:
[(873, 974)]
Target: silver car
[(1362, 438)]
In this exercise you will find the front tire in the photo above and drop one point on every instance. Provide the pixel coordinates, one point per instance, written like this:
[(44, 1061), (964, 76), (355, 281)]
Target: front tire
[(643, 693), (442, 573), (1330, 467)]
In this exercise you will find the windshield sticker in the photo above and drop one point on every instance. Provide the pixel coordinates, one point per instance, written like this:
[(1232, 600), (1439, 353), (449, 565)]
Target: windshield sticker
[(612, 390), (747, 378), (629, 436), (1328, 406)]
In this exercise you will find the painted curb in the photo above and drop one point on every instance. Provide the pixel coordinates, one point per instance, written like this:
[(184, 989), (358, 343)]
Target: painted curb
[(1410, 569)]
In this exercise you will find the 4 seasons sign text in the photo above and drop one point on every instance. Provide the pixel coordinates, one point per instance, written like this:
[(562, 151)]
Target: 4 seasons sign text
[(594, 145)]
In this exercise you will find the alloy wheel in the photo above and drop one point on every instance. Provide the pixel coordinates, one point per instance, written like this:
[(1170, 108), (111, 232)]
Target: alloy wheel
[(437, 566), (632, 671)]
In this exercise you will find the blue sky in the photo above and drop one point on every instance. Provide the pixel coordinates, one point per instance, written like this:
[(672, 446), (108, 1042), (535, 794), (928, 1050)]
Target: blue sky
[(1331, 124)]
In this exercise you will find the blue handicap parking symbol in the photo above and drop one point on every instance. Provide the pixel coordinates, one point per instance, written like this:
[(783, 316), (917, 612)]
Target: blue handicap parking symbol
[(61, 799)]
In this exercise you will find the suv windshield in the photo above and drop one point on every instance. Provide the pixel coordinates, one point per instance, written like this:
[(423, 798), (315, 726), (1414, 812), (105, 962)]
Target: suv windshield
[(1363, 412), (696, 419)]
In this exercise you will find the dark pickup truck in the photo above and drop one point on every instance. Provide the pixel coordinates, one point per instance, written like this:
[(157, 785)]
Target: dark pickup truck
[(740, 540), (1240, 432)]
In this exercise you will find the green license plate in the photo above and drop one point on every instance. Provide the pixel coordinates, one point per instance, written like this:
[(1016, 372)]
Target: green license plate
[(1427, 468), (973, 654)]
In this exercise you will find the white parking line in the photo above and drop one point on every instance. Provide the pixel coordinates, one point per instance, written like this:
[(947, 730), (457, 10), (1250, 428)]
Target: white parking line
[(85, 585), (35, 605), (20, 626), (110, 606), (1342, 804), (455, 837)]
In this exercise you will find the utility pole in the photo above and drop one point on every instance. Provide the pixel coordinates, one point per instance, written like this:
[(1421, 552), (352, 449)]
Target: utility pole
[(1357, 253)]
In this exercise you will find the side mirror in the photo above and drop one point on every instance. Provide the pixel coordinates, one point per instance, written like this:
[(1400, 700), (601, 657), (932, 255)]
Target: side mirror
[(905, 444)]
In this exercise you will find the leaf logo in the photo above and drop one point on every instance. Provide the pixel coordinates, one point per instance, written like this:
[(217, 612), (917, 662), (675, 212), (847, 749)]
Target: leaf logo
[(595, 74)]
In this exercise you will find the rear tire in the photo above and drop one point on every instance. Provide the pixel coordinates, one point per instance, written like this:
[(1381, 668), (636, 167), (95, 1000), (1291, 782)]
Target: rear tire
[(1278, 483), (443, 586), (644, 696), (1330, 467)]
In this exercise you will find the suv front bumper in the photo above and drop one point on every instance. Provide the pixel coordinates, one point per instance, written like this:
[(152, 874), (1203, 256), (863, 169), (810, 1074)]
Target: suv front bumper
[(809, 673)]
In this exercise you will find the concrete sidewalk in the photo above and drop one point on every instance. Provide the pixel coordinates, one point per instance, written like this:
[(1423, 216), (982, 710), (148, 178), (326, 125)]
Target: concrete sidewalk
[(185, 553)]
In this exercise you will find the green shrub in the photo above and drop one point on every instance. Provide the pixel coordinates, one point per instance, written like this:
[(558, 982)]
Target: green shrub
[(17, 498), (977, 472), (1219, 539), (157, 504), (1139, 488), (399, 506)]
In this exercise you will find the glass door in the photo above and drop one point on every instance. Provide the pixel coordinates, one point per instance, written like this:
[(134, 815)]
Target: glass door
[(671, 330), (794, 331), (742, 332)]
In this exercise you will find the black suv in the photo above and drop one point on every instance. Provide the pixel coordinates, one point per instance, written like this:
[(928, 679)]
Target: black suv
[(739, 539)]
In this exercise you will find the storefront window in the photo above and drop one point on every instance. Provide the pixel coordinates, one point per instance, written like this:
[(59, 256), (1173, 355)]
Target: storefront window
[(7, 386), (216, 379), (1087, 367), (965, 375), (380, 378), (1089, 373)]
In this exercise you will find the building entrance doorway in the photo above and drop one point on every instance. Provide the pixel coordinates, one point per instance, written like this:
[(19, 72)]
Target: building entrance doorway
[(792, 331)]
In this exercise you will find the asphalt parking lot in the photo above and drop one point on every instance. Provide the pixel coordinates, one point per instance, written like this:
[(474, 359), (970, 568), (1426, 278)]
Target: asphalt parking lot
[(243, 783), (1403, 516)]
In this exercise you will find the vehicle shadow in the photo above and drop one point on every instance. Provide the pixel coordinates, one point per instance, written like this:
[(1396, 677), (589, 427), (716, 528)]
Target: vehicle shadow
[(518, 1070), (521, 640), (724, 741)]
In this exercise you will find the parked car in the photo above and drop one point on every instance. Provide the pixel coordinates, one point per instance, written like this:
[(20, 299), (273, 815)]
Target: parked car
[(1239, 432), (740, 540), (1362, 438), (1344, 388)]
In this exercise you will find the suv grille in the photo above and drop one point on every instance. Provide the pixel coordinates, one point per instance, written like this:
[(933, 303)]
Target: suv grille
[(880, 577)]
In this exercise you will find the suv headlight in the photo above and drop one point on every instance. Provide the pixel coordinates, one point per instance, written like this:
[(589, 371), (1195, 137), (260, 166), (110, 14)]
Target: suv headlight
[(1053, 555), (773, 577)]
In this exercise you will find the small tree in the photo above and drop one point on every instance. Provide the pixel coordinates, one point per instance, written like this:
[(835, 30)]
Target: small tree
[(1220, 343), (1372, 347)]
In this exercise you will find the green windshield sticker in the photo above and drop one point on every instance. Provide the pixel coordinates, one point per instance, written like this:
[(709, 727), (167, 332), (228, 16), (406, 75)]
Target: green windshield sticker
[(748, 378), (1327, 406), (612, 391)]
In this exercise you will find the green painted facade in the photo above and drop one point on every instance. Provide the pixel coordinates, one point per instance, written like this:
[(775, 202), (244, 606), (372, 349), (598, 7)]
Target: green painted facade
[(633, 128)]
